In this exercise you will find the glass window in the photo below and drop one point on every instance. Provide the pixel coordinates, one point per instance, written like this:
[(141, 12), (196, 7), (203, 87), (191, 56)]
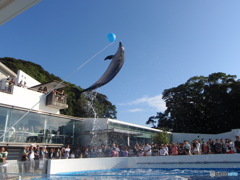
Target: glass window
[(3, 113), (37, 128)]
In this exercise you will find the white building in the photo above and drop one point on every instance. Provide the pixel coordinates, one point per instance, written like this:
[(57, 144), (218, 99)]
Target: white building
[(28, 116)]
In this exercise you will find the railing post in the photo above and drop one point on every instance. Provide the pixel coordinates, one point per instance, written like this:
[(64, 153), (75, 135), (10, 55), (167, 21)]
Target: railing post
[(6, 124)]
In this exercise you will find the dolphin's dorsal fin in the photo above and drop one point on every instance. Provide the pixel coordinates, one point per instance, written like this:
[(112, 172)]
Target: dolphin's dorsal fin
[(109, 57)]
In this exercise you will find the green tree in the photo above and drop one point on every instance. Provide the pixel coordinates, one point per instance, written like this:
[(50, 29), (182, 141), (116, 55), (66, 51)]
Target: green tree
[(161, 138), (202, 105)]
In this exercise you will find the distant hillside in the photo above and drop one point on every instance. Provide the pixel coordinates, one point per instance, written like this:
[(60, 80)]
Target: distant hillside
[(77, 102), (34, 70)]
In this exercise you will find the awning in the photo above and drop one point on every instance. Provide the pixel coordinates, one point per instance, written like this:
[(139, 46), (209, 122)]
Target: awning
[(50, 85), (121, 131)]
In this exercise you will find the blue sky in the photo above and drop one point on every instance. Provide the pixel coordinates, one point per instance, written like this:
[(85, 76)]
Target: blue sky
[(166, 42)]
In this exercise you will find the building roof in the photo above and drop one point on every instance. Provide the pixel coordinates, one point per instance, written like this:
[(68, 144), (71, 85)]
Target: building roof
[(114, 130), (11, 8), (50, 85), (7, 70), (135, 125)]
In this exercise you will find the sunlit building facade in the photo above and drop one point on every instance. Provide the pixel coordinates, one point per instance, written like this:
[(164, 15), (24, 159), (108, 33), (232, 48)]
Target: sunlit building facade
[(30, 116)]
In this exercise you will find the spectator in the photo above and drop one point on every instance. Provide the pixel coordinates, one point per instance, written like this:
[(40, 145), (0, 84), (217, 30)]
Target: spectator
[(124, 151), (68, 149), (166, 147), (86, 153), (138, 150), (31, 156), (7, 84), (40, 89), (10, 85), (114, 152), (20, 84), (187, 148), (52, 153), (237, 144), (45, 90), (196, 147), (72, 155), (43, 153), (163, 151), (13, 82), (107, 151), (174, 149), (25, 152), (224, 147), (77, 153), (3, 155), (62, 96), (180, 149), (229, 146), (37, 156), (155, 150), (93, 152), (218, 147), (147, 150), (211, 146), (25, 84), (58, 153), (205, 148), (130, 152)]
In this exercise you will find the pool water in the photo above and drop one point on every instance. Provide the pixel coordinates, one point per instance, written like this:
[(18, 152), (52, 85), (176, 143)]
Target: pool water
[(149, 174)]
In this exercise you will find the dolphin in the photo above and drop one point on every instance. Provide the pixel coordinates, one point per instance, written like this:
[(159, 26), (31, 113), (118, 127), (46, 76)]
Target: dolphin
[(112, 70)]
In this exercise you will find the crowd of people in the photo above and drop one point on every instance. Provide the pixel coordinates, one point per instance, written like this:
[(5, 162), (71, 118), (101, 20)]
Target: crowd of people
[(42, 90), (7, 85), (196, 147), (59, 96)]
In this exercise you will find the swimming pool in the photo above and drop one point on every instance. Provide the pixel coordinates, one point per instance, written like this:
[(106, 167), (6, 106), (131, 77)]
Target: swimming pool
[(148, 174), (169, 167)]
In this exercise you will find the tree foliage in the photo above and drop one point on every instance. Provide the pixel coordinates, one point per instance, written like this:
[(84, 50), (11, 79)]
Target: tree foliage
[(161, 138), (201, 105), (78, 104)]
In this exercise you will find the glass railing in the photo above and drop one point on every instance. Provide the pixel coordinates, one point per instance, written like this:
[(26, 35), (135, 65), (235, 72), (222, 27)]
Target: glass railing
[(6, 89), (23, 169), (57, 100)]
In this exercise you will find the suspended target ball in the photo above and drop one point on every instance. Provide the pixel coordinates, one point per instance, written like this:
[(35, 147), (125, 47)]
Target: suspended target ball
[(111, 37)]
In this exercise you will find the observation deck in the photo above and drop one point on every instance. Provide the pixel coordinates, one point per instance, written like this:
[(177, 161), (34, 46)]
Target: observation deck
[(56, 100)]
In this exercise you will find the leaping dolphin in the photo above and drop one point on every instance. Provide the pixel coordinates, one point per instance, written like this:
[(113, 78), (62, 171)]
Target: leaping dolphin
[(112, 70)]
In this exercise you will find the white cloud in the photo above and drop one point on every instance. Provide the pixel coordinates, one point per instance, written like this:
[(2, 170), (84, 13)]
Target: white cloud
[(135, 110), (155, 102)]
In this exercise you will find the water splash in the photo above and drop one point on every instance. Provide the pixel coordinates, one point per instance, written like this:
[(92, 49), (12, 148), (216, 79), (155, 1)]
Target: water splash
[(91, 96)]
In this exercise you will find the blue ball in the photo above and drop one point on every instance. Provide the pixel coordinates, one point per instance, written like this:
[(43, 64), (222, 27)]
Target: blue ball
[(111, 37)]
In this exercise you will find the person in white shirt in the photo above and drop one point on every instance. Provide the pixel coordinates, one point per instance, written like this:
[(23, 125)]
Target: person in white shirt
[(166, 147), (31, 157), (196, 147), (72, 155), (67, 149), (147, 150), (163, 151)]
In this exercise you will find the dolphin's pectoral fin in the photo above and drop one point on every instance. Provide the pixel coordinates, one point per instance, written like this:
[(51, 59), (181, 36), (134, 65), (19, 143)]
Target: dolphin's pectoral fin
[(109, 57)]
